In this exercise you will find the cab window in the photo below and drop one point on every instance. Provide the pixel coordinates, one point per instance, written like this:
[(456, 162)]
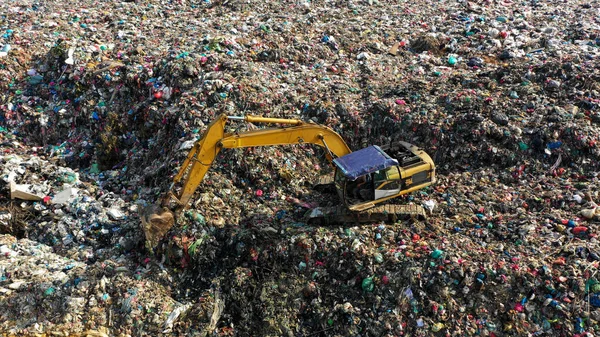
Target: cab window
[(390, 173), (388, 179)]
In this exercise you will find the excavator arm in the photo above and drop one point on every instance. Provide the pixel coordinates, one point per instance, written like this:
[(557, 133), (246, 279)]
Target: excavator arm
[(156, 222), (205, 150)]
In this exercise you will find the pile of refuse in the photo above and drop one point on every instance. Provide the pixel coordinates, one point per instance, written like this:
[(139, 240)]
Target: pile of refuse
[(100, 103)]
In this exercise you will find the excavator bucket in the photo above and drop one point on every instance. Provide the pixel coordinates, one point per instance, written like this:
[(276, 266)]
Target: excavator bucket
[(156, 222)]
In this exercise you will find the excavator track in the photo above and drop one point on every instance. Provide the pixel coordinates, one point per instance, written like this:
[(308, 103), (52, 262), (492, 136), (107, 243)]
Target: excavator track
[(386, 213)]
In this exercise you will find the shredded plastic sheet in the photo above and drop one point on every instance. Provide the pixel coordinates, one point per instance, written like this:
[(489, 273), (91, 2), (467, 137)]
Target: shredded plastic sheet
[(364, 161)]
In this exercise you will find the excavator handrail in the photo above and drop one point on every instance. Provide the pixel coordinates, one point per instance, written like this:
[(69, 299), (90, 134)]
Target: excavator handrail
[(260, 119)]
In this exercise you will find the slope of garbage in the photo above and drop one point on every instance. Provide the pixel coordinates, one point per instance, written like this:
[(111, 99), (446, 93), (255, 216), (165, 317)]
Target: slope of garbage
[(101, 101)]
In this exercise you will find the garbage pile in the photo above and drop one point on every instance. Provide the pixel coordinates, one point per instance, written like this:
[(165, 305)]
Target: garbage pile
[(100, 103)]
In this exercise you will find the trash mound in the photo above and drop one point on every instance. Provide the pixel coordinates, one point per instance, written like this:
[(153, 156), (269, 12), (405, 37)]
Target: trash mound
[(425, 43), (49, 293), (100, 103)]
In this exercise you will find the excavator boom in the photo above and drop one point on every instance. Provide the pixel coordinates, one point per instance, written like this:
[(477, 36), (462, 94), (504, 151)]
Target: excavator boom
[(206, 149)]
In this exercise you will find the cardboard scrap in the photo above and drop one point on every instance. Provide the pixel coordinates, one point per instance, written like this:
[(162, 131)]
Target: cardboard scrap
[(24, 192)]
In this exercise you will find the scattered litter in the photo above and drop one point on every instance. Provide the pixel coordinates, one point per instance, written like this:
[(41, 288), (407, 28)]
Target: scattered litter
[(101, 102)]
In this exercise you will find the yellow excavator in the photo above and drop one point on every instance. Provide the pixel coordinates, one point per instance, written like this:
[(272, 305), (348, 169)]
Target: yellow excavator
[(363, 179)]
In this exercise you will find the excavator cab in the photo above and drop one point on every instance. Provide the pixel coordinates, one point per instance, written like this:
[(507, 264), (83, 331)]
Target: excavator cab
[(369, 176)]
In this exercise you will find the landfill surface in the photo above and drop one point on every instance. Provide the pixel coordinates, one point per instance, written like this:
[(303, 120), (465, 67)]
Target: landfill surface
[(100, 102)]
